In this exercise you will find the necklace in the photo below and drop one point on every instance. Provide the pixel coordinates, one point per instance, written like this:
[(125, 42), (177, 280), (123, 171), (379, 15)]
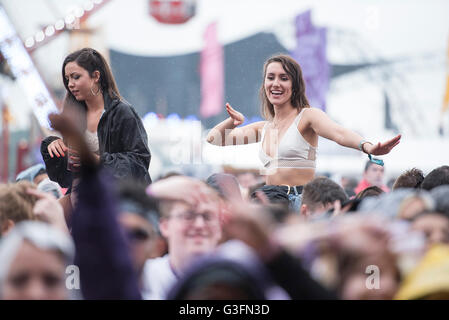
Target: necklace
[(277, 124)]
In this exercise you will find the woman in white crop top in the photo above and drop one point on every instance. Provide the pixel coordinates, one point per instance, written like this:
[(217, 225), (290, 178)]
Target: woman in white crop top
[(290, 133)]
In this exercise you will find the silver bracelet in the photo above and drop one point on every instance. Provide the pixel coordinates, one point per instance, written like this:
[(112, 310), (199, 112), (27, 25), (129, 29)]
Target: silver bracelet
[(361, 143)]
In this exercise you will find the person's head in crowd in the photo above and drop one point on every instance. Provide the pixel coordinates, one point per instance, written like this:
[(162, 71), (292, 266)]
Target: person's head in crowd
[(415, 203), (355, 270), (37, 174), (222, 281), (226, 186), (51, 187), (441, 196), (191, 230), (399, 204), (15, 204), (34, 257), (232, 272), (319, 195), (341, 255), (298, 98), (374, 174), (409, 179), (372, 191), (435, 178), (139, 218), (85, 75), (434, 225), (34, 174)]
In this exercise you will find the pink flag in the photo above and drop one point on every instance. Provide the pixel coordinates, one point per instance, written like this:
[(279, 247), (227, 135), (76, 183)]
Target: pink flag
[(212, 74)]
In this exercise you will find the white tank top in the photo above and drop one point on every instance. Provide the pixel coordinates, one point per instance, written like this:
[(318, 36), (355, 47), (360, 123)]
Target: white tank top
[(293, 151), (92, 141)]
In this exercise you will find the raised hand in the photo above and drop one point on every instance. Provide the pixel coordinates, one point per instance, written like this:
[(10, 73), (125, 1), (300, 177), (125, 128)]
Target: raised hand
[(382, 147), (180, 188), (235, 115), (48, 209)]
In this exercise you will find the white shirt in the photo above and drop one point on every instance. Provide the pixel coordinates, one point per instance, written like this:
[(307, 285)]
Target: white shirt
[(158, 278)]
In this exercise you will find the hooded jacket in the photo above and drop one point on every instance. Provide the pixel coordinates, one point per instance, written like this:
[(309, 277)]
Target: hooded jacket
[(123, 145)]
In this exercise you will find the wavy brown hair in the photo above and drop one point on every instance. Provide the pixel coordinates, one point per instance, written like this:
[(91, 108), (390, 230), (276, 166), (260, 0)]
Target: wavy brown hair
[(91, 60), (294, 72)]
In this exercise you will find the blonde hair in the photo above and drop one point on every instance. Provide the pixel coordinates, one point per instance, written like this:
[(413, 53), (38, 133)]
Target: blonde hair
[(15, 203)]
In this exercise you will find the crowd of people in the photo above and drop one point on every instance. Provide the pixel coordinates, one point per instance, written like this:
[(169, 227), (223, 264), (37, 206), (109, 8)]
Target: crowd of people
[(90, 223)]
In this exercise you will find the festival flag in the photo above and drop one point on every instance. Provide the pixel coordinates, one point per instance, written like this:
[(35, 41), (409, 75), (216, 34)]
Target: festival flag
[(446, 95), (310, 53), (212, 74)]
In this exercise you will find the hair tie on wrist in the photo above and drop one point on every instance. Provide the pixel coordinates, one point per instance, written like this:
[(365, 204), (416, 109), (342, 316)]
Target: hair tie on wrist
[(361, 143)]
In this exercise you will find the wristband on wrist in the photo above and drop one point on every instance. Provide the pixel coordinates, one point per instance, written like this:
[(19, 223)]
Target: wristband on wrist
[(361, 143), (380, 162)]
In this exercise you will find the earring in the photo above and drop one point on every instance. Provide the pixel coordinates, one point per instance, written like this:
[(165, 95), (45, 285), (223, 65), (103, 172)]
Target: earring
[(92, 91)]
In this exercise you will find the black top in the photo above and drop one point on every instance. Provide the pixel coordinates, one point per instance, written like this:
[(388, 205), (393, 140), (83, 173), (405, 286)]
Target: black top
[(123, 145)]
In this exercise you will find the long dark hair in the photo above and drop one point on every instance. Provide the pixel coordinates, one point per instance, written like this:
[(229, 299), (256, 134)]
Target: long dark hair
[(293, 70), (92, 61)]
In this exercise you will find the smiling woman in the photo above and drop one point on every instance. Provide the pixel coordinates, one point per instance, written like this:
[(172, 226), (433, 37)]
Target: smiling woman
[(289, 136), (113, 130)]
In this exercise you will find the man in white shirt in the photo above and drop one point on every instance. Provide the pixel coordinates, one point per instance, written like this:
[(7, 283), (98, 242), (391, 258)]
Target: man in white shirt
[(191, 224)]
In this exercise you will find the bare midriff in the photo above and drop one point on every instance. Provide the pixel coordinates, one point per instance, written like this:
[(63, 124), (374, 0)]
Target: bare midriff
[(290, 176)]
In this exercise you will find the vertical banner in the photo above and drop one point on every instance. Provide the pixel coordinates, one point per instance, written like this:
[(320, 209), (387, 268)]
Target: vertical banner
[(212, 74), (446, 95), (445, 106), (310, 53)]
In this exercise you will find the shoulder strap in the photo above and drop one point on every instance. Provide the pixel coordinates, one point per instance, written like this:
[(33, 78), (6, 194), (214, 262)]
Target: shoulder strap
[(298, 117)]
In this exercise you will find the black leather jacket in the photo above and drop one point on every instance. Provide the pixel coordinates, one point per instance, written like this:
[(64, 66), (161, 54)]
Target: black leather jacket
[(122, 141)]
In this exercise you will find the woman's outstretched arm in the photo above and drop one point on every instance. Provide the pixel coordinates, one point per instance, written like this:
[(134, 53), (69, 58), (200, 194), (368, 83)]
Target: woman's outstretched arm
[(326, 128), (226, 132)]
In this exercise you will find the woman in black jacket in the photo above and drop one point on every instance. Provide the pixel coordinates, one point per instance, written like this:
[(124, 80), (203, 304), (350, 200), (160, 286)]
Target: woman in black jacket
[(116, 134)]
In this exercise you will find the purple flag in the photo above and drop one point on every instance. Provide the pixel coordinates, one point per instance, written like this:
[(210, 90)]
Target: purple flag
[(303, 23), (310, 53)]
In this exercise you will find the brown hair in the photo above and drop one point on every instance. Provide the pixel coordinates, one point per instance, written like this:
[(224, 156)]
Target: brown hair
[(409, 179), (372, 191), (91, 60), (294, 72), (322, 190), (15, 203)]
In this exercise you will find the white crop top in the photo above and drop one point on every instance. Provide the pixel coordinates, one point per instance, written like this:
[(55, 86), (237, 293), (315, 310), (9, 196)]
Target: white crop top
[(293, 151), (92, 141)]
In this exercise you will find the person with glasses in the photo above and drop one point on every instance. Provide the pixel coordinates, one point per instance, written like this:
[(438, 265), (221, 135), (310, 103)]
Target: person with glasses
[(191, 223)]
